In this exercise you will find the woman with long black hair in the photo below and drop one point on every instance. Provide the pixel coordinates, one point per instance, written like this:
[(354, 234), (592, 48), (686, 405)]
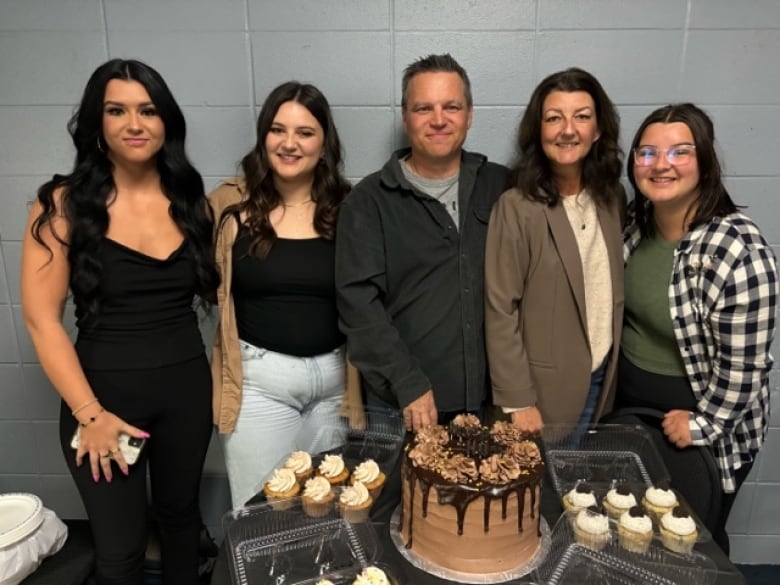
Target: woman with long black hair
[(129, 233)]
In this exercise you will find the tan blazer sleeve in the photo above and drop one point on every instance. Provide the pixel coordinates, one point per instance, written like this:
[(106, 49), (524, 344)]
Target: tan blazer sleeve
[(506, 268), (352, 403)]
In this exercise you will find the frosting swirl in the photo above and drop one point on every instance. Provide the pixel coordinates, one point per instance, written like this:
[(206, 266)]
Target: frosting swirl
[(282, 480), (466, 421), (298, 461), (354, 495), (317, 488), (506, 433), (662, 497), (371, 576), (581, 497), (426, 454), (592, 522), (366, 472), (499, 469), (526, 452), (458, 468), (636, 520), (331, 466), (678, 523), (621, 497), (435, 434)]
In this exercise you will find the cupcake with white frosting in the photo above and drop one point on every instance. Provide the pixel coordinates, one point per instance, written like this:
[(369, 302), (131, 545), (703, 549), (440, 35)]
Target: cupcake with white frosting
[(355, 503), (635, 530), (333, 469), (591, 528), (578, 498), (659, 499), (317, 497), (678, 530), (618, 500), (369, 474), (300, 463), (280, 488)]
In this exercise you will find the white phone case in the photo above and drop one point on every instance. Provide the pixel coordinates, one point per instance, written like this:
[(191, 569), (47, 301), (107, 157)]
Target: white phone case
[(129, 446)]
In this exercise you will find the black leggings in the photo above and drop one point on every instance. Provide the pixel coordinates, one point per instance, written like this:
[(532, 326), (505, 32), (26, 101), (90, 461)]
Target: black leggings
[(173, 404)]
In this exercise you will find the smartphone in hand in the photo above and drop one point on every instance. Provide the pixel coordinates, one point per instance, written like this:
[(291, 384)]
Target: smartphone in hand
[(129, 446)]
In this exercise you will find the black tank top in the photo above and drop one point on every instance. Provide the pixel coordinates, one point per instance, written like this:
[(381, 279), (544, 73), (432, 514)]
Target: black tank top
[(286, 302), (146, 316)]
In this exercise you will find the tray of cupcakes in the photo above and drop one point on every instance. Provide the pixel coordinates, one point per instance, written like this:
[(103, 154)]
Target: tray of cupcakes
[(637, 514), (353, 461), (595, 548)]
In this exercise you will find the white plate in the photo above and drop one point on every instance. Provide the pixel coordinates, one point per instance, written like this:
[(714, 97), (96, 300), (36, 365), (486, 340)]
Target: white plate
[(20, 515)]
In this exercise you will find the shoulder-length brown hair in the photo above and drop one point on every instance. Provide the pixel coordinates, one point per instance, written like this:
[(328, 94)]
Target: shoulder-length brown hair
[(532, 174)]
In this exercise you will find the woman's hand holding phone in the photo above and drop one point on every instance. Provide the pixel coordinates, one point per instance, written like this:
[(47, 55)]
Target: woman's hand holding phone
[(108, 438)]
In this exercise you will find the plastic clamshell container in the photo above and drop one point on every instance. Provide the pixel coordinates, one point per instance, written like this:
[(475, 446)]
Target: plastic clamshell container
[(380, 438), (572, 563), (268, 545), (602, 455), (348, 576)]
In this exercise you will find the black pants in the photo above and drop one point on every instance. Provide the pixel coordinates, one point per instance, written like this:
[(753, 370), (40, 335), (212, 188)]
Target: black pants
[(173, 404)]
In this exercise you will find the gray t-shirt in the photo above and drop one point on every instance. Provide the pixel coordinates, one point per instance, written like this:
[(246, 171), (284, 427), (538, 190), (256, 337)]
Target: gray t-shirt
[(444, 190)]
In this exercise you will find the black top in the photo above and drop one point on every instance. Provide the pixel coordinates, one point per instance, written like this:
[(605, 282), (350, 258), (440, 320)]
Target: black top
[(410, 285), (287, 301), (146, 316)]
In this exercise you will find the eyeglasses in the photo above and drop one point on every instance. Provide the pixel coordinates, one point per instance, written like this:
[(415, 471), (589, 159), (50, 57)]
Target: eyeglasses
[(679, 154)]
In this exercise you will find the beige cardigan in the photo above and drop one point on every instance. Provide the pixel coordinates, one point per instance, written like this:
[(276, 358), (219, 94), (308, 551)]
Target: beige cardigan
[(225, 356)]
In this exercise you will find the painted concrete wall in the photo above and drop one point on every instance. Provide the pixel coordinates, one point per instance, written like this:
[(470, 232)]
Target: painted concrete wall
[(221, 57)]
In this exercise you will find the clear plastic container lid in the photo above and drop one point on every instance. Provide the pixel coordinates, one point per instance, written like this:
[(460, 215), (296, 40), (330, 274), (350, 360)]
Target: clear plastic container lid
[(349, 576), (574, 561), (602, 455), (279, 542)]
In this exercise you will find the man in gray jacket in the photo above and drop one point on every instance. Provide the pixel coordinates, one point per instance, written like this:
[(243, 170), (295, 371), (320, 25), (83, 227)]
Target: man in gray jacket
[(410, 251)]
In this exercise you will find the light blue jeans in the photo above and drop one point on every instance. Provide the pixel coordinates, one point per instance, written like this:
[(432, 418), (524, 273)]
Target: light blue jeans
[(284, 399)]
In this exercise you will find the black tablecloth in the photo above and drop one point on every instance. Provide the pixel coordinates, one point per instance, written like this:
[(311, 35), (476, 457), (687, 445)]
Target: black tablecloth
[(728, 574)]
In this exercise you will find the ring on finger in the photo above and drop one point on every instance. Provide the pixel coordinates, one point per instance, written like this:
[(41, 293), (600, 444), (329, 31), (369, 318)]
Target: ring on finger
[(113, 451), (104, 455)]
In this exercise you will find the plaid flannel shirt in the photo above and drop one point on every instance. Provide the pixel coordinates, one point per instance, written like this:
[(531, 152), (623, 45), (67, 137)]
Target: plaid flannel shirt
[(722, 299)]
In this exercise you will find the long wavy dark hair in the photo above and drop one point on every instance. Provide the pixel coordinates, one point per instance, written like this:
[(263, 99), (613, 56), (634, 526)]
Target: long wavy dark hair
[(714, 200), (532, 172), (86, 191), (328, 189)]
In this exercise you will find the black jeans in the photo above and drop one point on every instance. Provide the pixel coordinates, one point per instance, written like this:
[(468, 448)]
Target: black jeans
[(173, 404)]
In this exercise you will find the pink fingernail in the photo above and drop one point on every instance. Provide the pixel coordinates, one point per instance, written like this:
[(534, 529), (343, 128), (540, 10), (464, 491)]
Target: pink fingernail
[(95, 478), (146, 435), (108, 480), (126, 471)]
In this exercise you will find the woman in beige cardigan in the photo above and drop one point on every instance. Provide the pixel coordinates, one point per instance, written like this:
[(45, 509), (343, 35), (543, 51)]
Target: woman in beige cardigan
[(278, 361), (554, 265)]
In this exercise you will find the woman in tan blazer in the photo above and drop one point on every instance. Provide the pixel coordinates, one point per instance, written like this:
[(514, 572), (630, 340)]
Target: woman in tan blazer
[(554, 265)]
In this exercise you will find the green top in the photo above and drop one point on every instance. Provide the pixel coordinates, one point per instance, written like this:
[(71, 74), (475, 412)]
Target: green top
[(648, 333)]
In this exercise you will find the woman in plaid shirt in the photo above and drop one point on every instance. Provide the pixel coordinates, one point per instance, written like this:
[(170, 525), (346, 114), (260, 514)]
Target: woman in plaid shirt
[(701, 295)]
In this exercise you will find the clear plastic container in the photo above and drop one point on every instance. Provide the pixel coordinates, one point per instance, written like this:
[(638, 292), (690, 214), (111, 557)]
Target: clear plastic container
[(348, 576), (602, 455), (572, 563), (271, 546)]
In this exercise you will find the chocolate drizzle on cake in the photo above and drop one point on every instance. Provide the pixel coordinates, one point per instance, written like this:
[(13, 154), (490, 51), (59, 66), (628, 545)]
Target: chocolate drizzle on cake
[(466, 462)]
